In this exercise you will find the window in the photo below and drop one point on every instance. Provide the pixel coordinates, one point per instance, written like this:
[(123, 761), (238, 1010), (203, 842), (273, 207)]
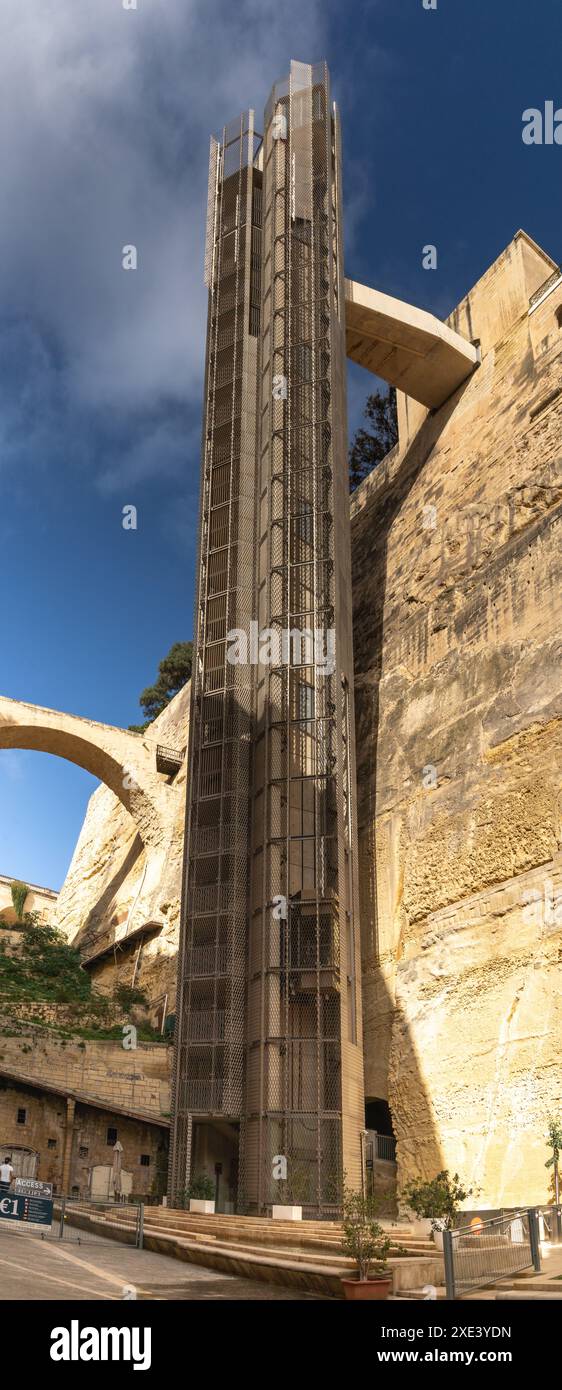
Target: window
[(558, 312), (51, 1143), (145, 1160), (22, 1117), (111, 1136), (83, 1151)]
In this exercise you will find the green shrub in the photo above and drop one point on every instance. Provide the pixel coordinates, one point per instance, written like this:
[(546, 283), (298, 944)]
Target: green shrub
[(439, 1199), (127, 996), (45, 968), (201, 1188)]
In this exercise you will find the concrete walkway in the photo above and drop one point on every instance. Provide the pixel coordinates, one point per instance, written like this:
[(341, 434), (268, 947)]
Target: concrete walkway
[(32, 1269)]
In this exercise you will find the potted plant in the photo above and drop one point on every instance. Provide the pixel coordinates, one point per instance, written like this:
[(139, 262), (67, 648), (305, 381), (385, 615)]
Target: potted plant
[(365, 1241), (438, 1199), (201, 1195), (292, 1194)]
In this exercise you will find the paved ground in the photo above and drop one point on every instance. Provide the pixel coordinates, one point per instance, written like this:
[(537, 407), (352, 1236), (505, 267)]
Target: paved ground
[(35, 1269)]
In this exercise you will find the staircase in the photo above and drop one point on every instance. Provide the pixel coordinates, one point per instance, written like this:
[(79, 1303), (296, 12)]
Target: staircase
[(305, 1255)]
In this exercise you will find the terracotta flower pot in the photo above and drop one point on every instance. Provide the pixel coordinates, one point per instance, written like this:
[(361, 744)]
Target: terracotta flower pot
[(367, 1288)]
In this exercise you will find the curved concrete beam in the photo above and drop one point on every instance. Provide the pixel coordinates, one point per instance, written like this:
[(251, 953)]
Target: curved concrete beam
[(406, 346), (126, 762)]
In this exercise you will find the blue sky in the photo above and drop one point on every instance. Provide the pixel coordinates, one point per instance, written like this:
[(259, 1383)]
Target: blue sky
[(104, 124)]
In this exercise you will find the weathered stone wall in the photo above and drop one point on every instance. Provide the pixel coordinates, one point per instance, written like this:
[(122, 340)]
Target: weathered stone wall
[(457, 607), (103, 899), (136, 1080)]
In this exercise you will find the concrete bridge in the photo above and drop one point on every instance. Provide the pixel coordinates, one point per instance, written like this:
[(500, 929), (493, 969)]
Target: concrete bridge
[(124, 761)]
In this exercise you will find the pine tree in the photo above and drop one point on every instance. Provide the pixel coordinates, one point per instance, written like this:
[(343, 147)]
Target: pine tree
[(173, 672), (371, 445)]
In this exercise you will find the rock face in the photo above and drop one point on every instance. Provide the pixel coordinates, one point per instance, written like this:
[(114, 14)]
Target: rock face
[(457, 607), (112, 889)]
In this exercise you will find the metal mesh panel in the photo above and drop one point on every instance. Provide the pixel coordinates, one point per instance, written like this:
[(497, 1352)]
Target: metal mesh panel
[(210, 1024), (269, 950), (301, 894), (211, 210)]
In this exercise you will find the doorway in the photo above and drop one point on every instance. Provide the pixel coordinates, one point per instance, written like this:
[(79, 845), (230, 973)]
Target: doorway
[(215, 1156)]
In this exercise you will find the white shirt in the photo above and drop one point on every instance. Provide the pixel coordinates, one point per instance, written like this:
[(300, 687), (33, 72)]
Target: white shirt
[(6, 1172)]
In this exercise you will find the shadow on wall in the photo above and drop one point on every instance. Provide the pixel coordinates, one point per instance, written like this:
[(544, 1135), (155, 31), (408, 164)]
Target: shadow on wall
[(393, 1070), (109, 897)]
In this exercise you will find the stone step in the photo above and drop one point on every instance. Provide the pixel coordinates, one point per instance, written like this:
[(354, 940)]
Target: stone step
[(331, 1258), (528, 1295), (327, 1261), (305, 1235), (313, 1271)]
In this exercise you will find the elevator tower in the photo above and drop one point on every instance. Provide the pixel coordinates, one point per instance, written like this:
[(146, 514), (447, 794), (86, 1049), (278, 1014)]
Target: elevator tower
[(268, 1088)]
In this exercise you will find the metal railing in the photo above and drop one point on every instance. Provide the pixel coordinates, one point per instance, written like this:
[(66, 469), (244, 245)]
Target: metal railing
[(488, 1251), (550, 1224), (168, 760), (379, 1148), (384, 1146), (89, 1221)]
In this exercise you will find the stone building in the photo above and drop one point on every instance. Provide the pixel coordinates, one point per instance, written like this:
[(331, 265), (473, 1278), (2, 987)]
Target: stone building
[(40, 900), (65, 1104)]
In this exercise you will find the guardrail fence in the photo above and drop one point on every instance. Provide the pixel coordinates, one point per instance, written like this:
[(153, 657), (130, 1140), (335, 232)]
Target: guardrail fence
[(487, 1251), (550, 1224), (84, 1222)]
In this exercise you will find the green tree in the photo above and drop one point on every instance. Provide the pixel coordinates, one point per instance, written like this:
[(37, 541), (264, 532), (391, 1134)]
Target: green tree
[(19, 892), (173, 673), (373, 444), (554, 1141), (364, 1239)]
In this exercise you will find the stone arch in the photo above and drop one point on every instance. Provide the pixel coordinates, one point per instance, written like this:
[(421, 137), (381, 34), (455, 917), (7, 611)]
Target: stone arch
[(124, 761)]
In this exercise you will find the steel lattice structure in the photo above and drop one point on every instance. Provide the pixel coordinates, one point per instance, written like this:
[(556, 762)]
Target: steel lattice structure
[(268, 1033)]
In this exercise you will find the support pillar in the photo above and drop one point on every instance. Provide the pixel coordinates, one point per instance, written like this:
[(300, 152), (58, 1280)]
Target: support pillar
[(68, 1137)]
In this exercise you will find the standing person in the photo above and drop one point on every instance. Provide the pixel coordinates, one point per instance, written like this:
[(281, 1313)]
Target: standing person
[(6, 1175)]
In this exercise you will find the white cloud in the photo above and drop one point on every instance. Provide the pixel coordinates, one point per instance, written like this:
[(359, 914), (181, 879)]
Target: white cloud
[(104, 122)]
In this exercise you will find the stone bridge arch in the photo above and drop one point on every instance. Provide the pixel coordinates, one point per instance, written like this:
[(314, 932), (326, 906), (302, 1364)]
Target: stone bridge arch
[(125, 762)]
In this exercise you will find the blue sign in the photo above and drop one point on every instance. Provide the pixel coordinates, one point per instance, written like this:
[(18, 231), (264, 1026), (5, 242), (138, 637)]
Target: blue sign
[(38, 1211)]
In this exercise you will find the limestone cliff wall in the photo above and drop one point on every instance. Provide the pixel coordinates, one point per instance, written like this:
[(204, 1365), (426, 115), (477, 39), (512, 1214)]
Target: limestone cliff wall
[(457, 625), (103, 901)]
